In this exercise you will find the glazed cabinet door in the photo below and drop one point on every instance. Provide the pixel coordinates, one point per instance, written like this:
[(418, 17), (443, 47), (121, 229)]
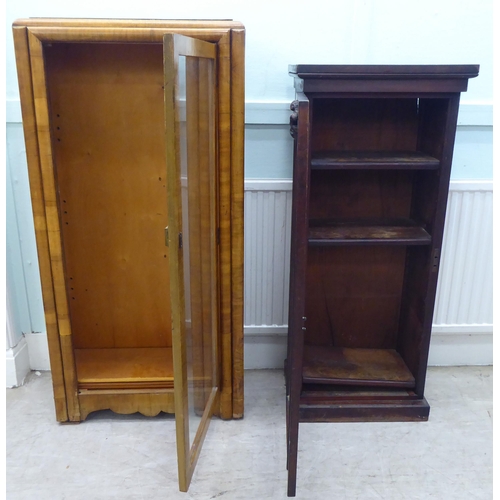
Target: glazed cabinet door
[(190, 119)]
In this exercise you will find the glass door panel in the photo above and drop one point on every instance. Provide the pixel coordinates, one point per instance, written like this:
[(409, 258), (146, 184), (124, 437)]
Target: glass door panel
[(190, 114)]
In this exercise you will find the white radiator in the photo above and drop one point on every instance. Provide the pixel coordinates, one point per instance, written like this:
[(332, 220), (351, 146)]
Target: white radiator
[(463, 316), (268, 207), (465, 285)]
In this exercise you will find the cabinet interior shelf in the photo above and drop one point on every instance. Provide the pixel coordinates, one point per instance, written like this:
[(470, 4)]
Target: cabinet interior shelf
[(397, 232), (352, 366), (408, 160), (125, 368)]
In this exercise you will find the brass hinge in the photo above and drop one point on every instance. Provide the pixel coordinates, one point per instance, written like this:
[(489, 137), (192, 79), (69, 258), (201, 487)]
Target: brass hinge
[(435, 260), (167, 238)]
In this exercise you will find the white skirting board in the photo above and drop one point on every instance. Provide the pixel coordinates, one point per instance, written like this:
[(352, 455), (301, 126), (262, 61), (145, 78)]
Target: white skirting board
[(17, 364), (31, 353), (38, 351)]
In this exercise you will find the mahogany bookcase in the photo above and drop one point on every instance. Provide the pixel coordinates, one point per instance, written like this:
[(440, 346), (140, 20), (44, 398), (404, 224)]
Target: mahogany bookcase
[(372, 160)]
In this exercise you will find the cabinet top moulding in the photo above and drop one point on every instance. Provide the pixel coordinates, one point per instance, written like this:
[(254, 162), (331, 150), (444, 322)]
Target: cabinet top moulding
[(123, 30), (130, 23), (382, 78)]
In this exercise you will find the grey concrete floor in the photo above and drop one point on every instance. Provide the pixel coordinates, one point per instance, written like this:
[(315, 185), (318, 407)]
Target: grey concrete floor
[(113, 456)]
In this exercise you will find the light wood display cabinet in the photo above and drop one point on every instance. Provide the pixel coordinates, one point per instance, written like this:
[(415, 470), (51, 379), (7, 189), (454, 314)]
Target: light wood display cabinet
[(373, 151), (134, 137)]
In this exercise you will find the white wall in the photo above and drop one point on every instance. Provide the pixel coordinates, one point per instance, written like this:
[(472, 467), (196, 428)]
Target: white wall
[(278, 33), (282, 32)]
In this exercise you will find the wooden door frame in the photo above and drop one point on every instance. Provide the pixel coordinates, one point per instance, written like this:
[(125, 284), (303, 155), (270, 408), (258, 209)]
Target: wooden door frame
[(187, 452)]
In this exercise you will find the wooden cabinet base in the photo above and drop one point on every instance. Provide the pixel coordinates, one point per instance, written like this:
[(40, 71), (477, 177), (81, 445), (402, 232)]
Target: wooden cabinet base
[(149, 404), (373, 411)]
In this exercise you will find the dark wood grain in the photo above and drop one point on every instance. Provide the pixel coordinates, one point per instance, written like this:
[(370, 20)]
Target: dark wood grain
[(381, 143), (319, 79), (368, 235), (353, 295), (399, 71), (367, 125), (352, 194), (399, 410), (298, 255), (327, 393), (361, 367), (373, 160)]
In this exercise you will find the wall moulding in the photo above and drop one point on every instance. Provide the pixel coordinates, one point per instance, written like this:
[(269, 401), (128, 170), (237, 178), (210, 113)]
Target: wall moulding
[(472, 114)]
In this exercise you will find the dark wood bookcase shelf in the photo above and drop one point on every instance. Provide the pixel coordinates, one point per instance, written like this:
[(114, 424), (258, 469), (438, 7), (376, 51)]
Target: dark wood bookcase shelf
[(372, 161), (359, 367), (368, 235)]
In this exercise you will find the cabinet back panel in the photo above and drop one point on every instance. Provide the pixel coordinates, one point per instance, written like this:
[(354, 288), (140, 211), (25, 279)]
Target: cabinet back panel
[(353, 296), (106, 115), (425, 198), (360, 194), (432, 125), (364, 125)]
